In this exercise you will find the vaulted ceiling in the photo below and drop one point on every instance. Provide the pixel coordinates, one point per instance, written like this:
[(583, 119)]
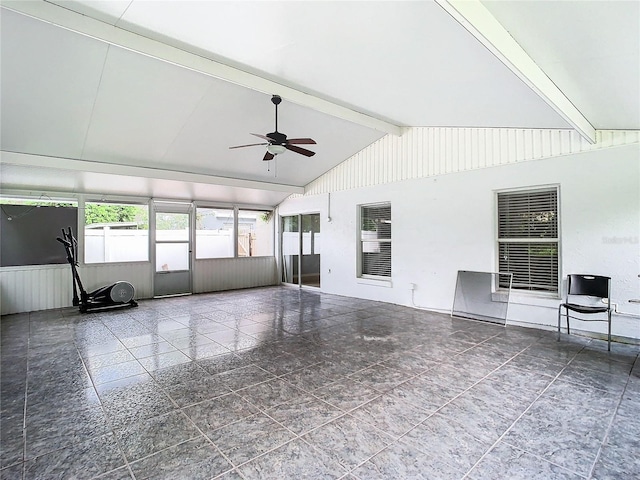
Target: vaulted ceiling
[(145, 97)]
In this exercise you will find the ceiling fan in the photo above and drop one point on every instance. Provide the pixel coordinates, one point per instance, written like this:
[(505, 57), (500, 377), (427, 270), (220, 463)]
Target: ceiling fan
[(277, 142)]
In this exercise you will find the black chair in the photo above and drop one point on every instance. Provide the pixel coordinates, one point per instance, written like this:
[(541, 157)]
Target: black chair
[(590, 286)]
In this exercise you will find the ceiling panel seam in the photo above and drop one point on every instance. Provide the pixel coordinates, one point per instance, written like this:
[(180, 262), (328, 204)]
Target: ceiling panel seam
[(186, 121), (95, 99), (142, 45)]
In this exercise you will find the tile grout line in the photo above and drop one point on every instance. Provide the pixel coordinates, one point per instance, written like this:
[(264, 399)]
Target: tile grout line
[(177, 407), (399, 438), (466, 475), (26, 396), (104, 412), (608, 431)]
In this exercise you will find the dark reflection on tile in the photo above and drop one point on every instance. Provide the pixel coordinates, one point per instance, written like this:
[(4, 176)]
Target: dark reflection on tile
[(47, 431), (64, 400), (81, 460), (288, 383)]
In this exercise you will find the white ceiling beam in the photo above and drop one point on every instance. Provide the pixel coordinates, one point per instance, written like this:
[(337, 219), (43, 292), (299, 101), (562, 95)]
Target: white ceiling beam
[(119, 37), (42, 161), (476, 19)]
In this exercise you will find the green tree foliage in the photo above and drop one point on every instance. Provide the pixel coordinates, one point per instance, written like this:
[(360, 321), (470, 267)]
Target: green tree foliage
[(172, 221), (109, 213)]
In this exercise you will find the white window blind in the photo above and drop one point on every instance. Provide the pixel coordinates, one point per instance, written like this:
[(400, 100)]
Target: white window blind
[(528, 238), (375, 240)]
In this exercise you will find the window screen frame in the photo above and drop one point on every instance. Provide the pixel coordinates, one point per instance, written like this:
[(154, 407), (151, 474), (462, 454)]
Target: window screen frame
[(118, 201), (551, 291), (361, 274), (234, 230), (271, 214)]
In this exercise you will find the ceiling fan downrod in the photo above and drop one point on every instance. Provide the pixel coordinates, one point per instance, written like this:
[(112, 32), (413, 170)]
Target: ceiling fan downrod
[(276, 99)]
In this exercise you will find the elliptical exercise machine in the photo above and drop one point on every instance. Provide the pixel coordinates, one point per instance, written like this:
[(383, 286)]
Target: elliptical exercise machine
[(117, 295)]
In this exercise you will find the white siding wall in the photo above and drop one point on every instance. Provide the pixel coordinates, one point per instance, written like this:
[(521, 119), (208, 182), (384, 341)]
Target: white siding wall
[(444, 223), (27, 289), (24, 289), (423, 152)]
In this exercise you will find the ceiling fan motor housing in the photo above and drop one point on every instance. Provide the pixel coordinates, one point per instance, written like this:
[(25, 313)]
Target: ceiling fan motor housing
[(277, 138)]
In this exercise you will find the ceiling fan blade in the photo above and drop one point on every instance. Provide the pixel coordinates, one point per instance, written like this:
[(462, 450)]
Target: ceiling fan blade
[(268, 156), (301, 141), (264, 137), (301, 151), (250, 145)]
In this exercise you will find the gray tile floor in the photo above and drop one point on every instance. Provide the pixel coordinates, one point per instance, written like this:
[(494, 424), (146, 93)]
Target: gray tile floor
[(286, 383)]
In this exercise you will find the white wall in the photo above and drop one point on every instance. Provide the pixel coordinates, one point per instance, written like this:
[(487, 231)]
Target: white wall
[(446, 223)]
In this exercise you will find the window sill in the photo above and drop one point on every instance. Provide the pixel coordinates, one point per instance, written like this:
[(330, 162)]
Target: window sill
[(535, 299), (376, 282)]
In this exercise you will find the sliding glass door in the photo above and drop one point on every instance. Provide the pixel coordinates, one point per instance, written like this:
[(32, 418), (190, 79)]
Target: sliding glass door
[(301, 249)]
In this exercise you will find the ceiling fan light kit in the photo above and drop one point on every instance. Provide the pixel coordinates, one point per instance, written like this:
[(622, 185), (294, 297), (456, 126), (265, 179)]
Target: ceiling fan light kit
[(276, 149), (278, 143)]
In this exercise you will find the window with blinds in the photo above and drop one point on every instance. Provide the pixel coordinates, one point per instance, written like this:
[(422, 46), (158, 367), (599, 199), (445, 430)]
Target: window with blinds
[(375, 240), (528, 238)]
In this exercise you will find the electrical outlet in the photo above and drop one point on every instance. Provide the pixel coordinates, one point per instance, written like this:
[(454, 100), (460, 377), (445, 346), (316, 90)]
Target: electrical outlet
[(412, 286)]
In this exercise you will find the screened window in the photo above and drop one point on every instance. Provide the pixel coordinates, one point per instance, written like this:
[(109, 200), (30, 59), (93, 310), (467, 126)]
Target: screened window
[(214, 232), (29, 228), (116, 232), (255, 233), (528, 238), (375, 240)]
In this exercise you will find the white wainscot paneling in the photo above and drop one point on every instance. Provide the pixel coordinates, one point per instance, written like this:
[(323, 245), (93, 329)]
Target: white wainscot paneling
[(32, 288), (138, 274), (231, 273), (26, 289)]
